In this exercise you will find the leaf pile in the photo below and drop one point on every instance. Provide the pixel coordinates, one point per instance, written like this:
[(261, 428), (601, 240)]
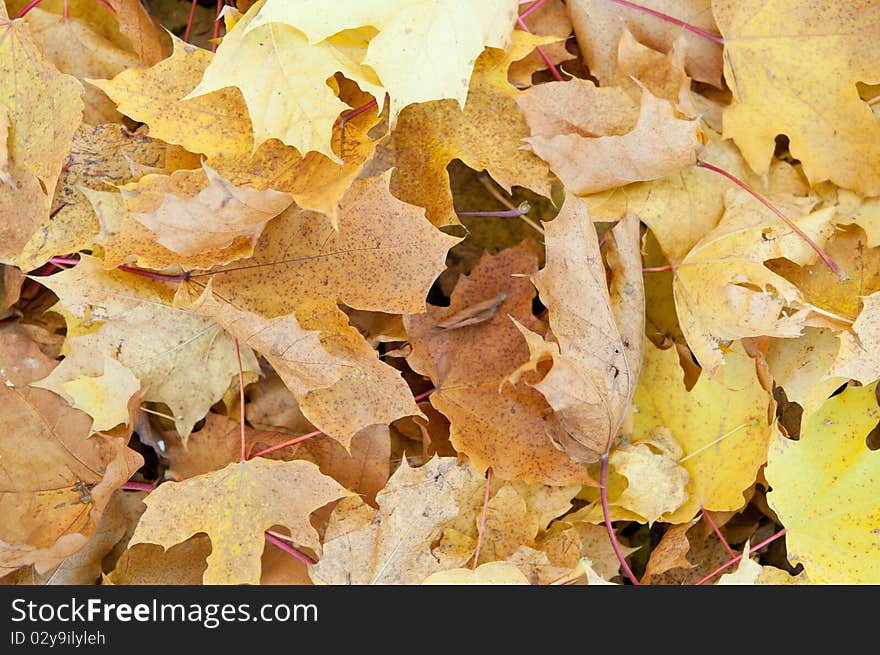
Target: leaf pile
[(440, 292)]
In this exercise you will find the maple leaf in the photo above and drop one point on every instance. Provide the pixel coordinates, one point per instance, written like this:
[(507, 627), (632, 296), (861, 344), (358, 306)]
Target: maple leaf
[(793, 68), (297, 110), (43, 109), (235, 506), (79, 50), (516, 515), (598, 25), (658, 144), (597, 337), (199, 216), (486, 134), (548, 19), (211, 124), (495, 425), (821, 490), (720, 425), (723, 290), (424, 49), (182, 360), (392, 545), (490, 573), (56, 478), (683, 207)]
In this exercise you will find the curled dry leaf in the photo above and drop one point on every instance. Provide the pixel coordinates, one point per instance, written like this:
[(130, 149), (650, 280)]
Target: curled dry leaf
[(598, 25), (658, 144), (494, 424), (723, 290), (596, 339)]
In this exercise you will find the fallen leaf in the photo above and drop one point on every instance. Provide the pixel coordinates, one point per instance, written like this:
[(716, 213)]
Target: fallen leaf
[(234, 506), (598, 25), (723, 290), (821, 490), (181, 359), (392, 545), (721, 425), (424, 49), (57, 479), (659, 144), (77, 49), (149, 564), (495, 425), (548, 19), (485, 135), (104, 397), (595, 364), (43, 109), (490, 573), (256, 56), (792, 68)]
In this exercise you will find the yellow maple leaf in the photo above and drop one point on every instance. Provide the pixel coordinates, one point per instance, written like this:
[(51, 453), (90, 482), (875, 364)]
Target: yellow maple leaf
[(486, 134), (104, 397), (235, 506), (792, 66), (823, 490), (723, 290), (181, 359), (298, 110), (490, 573), (721, 427), (77, 49), (424, 50), (56, 479), (43, 109)]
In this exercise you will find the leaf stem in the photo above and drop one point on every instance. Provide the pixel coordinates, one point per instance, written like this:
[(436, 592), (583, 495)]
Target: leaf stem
[(138, 486), (785, 219), (287, 548), (532, 9), (606, 512), (659, 269), (189, 22), (243, 456), (24, 10), (736, 559), (671, 19), (291, 442), (717, 531), (423, 395), (540, 50)]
